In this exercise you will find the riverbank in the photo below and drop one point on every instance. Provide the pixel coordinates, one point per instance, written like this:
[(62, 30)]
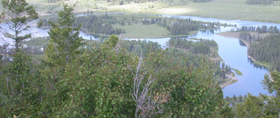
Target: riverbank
[(231, 78), (236, 36)]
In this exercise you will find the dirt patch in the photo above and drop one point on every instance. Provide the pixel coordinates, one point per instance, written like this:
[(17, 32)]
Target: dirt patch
[(230, 79)]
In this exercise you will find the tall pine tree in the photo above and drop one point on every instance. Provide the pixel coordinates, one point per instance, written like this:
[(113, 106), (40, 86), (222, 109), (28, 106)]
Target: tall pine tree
[(19, 14), (65, 39)]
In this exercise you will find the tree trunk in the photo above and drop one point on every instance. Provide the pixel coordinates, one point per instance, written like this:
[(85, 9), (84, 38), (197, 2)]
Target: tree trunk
[(16, 45)]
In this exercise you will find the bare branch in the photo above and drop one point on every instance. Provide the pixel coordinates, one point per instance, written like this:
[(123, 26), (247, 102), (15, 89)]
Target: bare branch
[(147, 101)]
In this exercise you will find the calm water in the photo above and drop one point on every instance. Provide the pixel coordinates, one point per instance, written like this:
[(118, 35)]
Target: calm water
[(231, 50)]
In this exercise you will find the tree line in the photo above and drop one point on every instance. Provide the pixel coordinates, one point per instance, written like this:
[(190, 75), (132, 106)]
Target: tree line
[(263, 49), (52, 1), (103, 24), (201, 47), (93, 24), (258, 29), (267, 50), (265, 2)]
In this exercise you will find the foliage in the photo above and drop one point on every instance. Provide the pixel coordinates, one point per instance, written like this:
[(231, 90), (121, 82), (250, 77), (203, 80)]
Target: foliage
[(227, 111), (267, 50), (263, 106), (20, 92), (262, 29), (252, 107), (200, 47), (98, 83), (112, 41), (238, 72), (255, 107), (203, 47), (64, 38), (19, 14), (143, 48), (103, 24), (272, 85)]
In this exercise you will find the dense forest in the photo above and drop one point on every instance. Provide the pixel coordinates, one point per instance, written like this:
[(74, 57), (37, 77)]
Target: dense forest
[(200, 47), (267, 50), (263, 48), (94, 24), (258, 29)]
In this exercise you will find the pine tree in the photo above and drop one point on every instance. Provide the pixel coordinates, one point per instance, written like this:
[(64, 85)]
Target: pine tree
[(272, 84), (227, 99), (251, 108), (240, 98), (112, 41), (234, 98), (19, 14), (64, 37)]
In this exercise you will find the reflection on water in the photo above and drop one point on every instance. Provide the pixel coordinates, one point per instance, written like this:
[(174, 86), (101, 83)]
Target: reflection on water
[(242, 43), (257, 65), (209, 31)]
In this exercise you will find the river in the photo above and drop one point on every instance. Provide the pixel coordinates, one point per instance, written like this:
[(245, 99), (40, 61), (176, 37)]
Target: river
[(231, 50)]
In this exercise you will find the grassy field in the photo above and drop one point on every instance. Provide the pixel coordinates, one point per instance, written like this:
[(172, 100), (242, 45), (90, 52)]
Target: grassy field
[(139, 30), (223, 9), (232, 9), (238, 72)]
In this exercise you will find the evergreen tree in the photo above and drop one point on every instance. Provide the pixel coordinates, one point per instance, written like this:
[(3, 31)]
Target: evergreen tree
[(112, 41), (19, 14), (240, 98), (272, 84), (251, 108), (234, 98), (227, 99), (64, 37), (227, 112)]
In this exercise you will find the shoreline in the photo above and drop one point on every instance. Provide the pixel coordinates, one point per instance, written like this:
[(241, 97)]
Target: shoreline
[(232, 79), (248, 46), (246, 43)]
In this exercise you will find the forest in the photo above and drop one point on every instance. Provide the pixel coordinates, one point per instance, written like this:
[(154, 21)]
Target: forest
[(112, 77), (267, 50), (263, 48), (103, 24)]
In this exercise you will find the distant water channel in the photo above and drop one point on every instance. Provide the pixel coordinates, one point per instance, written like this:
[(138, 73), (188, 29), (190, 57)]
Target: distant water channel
[(232, 51)]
